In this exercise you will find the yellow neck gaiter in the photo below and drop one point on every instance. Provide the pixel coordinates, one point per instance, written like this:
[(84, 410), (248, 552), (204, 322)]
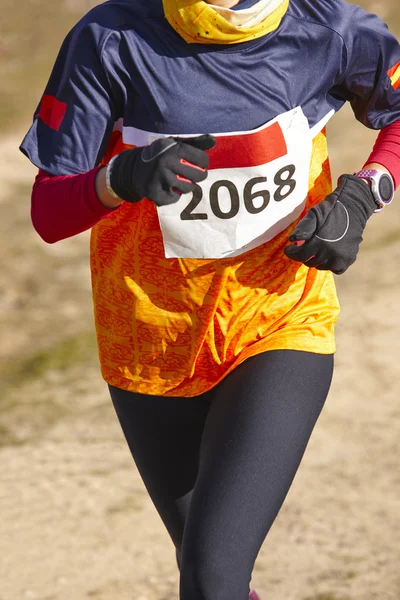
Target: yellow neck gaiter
[(198, 22)]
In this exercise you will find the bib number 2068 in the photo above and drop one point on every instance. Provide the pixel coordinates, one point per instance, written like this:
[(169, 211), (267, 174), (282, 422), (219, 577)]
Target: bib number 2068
[(284, 182)]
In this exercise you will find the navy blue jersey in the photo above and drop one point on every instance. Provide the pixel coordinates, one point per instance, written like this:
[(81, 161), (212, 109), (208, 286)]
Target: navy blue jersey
[(123, 63)]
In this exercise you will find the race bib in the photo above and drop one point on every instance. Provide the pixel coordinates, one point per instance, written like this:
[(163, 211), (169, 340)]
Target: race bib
[(257, 186)]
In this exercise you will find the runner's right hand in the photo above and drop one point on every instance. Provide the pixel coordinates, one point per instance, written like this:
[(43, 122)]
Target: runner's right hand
[(161, 171)]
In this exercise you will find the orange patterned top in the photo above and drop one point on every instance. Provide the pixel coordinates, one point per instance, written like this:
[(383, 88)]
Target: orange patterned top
[(176, 327)]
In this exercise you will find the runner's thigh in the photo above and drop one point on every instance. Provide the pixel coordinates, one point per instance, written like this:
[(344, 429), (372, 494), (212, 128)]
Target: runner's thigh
[(256, 432), (164, 436)]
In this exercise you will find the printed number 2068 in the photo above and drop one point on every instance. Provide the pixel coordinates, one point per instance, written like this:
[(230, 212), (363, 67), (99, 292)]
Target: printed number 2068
[(284, 180)]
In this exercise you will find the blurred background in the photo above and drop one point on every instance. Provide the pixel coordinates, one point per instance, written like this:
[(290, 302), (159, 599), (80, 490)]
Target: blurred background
[(75, 520)]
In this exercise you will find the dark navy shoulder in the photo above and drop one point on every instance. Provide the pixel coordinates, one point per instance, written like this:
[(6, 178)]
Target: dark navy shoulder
[(339, 16), (115, 15), (331, 14)]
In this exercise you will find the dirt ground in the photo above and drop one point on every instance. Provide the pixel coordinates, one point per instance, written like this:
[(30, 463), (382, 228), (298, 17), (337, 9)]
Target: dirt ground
[(75, 520)]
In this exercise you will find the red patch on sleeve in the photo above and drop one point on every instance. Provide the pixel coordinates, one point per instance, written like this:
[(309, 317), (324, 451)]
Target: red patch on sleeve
[(393, 70), (52, 112), (394, 74)]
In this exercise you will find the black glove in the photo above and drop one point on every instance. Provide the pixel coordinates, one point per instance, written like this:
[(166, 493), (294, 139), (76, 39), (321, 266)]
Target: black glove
[(161, 171), (328, 237)]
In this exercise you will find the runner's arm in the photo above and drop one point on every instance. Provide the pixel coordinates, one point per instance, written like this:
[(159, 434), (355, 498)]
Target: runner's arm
[(386, 152), (63, 206)]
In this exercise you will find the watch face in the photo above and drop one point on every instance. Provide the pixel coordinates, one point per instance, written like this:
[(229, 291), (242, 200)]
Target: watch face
[(386, 188)]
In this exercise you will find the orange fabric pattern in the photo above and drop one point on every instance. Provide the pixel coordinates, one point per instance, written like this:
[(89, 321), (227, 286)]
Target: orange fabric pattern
[(176, 327)]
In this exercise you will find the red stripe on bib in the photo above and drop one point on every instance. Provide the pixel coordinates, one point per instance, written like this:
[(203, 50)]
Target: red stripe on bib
[(248, 150)]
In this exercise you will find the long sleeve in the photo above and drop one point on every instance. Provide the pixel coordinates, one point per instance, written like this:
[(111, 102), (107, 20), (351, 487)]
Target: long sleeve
[(386, 150), (63, 206)]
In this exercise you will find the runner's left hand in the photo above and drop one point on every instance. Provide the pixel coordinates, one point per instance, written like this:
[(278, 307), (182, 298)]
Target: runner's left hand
[(329, 236)]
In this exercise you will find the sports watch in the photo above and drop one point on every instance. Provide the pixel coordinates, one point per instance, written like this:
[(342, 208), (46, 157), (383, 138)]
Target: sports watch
[(381, 184)]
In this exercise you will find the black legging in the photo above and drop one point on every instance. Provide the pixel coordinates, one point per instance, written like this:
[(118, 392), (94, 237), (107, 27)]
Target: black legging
[(218, 466)]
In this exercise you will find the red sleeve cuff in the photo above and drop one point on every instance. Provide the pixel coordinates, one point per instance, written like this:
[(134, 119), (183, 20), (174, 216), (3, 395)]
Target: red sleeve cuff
[(386, 151)]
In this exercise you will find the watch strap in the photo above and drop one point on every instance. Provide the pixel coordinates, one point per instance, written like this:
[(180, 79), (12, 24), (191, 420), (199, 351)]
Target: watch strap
[(371, 175), (108, 177)]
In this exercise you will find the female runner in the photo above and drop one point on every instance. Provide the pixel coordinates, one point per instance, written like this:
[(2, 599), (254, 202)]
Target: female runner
[(191, 138)]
